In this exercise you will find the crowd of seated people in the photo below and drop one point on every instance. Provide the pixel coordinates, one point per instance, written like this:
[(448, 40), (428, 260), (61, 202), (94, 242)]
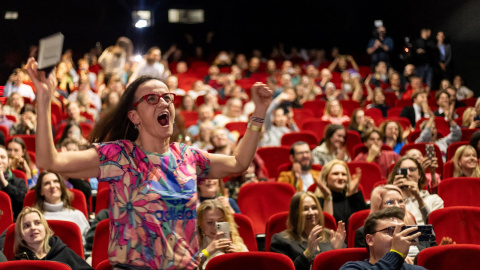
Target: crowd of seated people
[(389, 109)]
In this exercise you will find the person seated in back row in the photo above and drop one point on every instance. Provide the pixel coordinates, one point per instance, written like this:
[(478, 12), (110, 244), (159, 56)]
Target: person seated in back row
[(301, 176)]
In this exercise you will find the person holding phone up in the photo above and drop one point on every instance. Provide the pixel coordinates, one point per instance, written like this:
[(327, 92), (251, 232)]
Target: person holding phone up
[(429, 133), (409, 176), (213, 238)]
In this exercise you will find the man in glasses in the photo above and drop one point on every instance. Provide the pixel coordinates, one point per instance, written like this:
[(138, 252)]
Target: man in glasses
[(386, 243)]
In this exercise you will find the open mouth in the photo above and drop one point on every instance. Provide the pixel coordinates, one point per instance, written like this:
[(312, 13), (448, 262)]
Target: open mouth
[(163, 119)]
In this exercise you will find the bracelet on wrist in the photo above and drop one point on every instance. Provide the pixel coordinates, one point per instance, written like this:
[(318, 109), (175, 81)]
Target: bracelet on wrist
[(205, 252), (257, 119), (254, 128), (398, 252)]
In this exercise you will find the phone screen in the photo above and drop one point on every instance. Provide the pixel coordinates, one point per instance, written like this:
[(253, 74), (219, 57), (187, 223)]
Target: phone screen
[(428, 235)]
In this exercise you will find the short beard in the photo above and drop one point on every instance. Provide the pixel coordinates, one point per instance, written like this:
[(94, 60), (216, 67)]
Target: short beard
[(308, 167)]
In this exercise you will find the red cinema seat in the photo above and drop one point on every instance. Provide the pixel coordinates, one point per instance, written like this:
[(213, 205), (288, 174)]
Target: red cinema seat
[(239, 127), (334, 259), (34, 264), (245, 229), (449, 257), (307, 136), (315, 106), (300, 115), (251, 196), (317, 126), (448, 169), (460, 191), (79, 202), (355, 221), (353, 138), (102, 200), (370, 174), (273, 157), (452, 148), (28, 139), (68, 231), (6, 217), (457, 222), (104, 265), (100, 243), (467, 133), (251, 260)]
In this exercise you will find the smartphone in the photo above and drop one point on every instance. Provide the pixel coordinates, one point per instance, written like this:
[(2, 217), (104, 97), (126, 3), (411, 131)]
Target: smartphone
[(428, 235), (225, 228), (429, 151), (476, 118), (403, 171)]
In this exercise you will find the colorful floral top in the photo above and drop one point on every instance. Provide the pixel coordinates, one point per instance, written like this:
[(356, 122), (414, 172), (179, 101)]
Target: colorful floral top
[(152, 202)]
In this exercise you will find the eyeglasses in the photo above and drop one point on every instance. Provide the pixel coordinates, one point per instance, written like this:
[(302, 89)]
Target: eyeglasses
[(411, 169), (153, 99), (392, 202), (390, 230)]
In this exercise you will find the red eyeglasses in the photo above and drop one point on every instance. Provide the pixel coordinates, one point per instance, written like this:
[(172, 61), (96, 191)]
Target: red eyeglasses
[(153, 99)]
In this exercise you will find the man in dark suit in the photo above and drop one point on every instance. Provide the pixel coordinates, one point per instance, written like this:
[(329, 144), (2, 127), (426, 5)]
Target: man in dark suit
[(418, 110)]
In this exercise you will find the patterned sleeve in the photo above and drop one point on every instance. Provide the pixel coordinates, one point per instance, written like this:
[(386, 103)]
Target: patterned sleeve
[(113, 161), (202, 160)]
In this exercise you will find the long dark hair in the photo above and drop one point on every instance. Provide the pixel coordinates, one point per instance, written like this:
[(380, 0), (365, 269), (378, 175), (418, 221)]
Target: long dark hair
[(66, 197), (116, 125)]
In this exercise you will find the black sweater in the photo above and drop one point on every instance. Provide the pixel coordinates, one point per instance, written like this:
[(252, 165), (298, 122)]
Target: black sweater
[(59, 252)]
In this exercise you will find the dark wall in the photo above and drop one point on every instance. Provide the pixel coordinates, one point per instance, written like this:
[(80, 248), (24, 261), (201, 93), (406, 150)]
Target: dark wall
[(243, 25)]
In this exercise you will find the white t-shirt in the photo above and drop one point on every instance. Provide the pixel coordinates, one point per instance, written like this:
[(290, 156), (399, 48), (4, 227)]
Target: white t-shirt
[(307, 180)]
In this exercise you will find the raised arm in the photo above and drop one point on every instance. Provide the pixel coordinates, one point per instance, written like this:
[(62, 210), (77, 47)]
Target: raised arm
[(221, 165), (81, 164)]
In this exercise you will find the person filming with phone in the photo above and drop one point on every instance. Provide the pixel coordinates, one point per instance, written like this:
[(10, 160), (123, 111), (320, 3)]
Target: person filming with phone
[(409, 176), (217, 231), (387, 243)]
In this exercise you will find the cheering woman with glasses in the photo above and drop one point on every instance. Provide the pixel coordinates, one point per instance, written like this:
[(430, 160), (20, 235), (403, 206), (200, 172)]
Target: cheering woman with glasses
[(152, 182), (418, 201)]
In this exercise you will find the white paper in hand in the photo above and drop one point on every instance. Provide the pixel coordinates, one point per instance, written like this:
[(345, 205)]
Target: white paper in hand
[(50, 50)]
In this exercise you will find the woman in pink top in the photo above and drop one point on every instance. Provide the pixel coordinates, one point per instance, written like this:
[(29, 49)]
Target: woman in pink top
[(152, 182)]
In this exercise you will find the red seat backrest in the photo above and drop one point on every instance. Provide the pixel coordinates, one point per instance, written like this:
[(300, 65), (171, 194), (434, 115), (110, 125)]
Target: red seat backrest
[(102, 200), (273, 157), (251, 196), (452, 148), (450, 257), (101, 239), (370, 174), (251, 260), (353, 138), (240, 127), (334, 259), (458, 223), (68, 231), (460, 191), (315, 106), (448, 168), (317, 126), (355, 221), (34, 264), (6, 217), (78, 201), (307, 136), (245, 229)]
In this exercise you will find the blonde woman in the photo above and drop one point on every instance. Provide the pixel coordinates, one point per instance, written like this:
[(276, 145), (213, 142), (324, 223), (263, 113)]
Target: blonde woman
[(465, 162), (468, 118), (338, 190), (34, 240), (209, 239), (306, 235), (334, 113)]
